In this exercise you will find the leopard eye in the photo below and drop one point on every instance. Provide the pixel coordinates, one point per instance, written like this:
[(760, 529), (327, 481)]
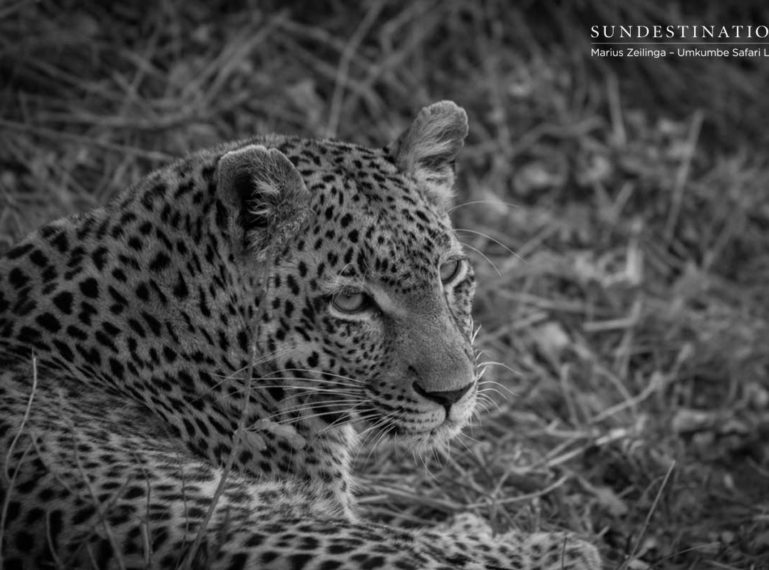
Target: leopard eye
[(350, 301), (450, 270)]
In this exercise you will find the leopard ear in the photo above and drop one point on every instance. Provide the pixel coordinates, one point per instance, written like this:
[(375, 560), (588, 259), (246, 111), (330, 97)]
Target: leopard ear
[(268, 193), (429, 148)]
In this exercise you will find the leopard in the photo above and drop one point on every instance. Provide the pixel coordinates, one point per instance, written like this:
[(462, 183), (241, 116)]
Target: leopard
[(187, 373)]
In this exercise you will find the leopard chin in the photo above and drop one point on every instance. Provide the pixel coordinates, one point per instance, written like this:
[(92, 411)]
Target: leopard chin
[(434, 438)]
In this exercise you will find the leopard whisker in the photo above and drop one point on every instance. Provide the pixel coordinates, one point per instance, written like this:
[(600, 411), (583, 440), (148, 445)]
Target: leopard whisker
[(325, 373), (333, 385), (303, 417), (376, 439), (364, 435), (343, 403), (366, 438), (234, 375), (484, 256), (497, 392), (377, 431), (501, 389), (484, 202), (463, 436), (293, 383), (312, 406), (491, 239), (485, 404), (299, 389), (342, 421), (486, 363), (260, 360)]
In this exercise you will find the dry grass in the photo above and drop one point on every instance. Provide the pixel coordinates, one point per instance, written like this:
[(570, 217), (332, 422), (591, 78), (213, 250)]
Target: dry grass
[(618, 212)]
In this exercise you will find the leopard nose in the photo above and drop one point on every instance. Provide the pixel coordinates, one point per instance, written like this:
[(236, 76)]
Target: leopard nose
[(445, 397)]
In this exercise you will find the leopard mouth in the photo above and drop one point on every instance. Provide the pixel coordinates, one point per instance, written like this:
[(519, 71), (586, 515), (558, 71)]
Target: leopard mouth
[(377, 428), (446, 430), (424, 440)]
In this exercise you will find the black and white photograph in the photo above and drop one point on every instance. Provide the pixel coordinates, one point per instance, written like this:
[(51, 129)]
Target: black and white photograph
[(388, 284)]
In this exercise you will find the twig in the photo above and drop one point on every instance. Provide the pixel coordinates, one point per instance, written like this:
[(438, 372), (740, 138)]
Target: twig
[(521, 498), (49, 541), (99, 510), (188, 559), (80, 139), (649, 516), (186, 562), (343, 70), (615, 110), (682, 176), (24, 419)]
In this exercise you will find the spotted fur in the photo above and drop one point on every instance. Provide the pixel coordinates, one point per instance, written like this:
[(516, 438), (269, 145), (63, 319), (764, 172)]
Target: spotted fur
[(185, 373)]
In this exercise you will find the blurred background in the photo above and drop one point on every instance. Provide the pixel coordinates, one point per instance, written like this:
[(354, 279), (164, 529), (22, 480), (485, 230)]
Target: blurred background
[(616, 210)]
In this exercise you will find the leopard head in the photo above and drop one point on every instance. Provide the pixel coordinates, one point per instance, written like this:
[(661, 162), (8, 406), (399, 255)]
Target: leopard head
[(364, 308)]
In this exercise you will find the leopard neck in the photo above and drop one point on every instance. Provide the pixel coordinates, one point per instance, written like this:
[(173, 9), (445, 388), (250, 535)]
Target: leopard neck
[(143, 300)]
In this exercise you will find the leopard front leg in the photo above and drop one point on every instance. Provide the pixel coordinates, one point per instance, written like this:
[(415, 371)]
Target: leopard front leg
[(279, 539), (323, 544)]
